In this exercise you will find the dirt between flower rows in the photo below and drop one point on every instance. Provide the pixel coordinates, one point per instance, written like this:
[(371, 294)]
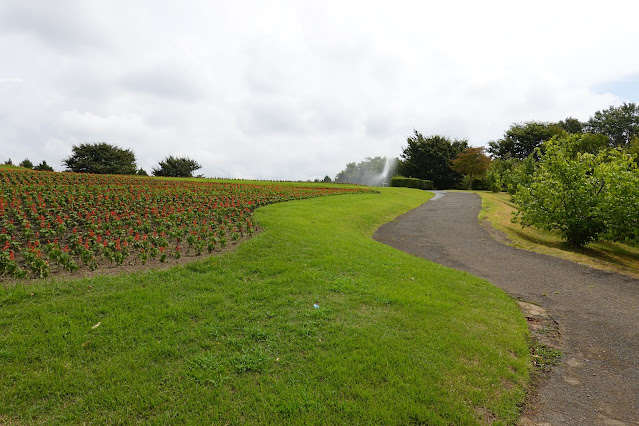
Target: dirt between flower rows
[(591, 316)]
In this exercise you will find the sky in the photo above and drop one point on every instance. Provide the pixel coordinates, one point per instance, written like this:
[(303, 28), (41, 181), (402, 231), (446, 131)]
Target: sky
[(295, 90)]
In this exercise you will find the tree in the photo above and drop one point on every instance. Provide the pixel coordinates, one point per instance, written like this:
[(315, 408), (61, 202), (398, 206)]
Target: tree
[(375, 171), (430, 159), (620, 124), (584, 196), (8, 162), (176, 167), (472, 162), (26, 164), (101, 158), (43, 167), (572, 125), (327, 179), (520, 140)]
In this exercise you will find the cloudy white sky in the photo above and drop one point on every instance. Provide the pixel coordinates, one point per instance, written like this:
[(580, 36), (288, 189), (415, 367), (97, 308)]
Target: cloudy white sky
[(296, 89)]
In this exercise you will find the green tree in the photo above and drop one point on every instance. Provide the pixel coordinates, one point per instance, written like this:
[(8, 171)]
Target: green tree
[(176, 167), (43, 167), (584, 196), (101, 158), (472, 162), (571, 125), (26, 164), (430, 158), (520, 140), (620, 123)]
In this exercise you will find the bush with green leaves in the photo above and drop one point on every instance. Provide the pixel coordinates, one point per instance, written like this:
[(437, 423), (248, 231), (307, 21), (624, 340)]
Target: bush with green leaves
[(43, 167), (26, 163), (411, 182), (101, 158), (584, 196), (176, 167)]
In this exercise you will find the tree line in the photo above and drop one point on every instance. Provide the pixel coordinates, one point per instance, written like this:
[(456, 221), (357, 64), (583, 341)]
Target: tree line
[(105, 158), (579, 178)]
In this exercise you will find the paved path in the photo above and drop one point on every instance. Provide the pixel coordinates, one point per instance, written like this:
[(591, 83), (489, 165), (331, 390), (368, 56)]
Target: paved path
[(597, 312)]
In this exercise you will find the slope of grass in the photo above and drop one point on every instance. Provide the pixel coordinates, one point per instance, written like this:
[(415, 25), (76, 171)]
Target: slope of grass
[(614, 257), (236, 339)]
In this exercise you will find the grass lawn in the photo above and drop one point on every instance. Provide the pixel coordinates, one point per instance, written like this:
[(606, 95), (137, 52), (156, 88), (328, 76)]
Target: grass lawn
[(236, 339), (615, 257)]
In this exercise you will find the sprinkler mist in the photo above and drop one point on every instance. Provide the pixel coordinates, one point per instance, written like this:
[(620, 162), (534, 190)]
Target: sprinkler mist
[(383, 179)]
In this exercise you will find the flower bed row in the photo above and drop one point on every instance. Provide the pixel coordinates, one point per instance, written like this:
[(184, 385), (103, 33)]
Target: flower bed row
[(63, 221)]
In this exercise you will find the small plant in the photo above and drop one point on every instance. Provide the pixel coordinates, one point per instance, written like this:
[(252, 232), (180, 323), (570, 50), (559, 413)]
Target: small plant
[(544, 357)]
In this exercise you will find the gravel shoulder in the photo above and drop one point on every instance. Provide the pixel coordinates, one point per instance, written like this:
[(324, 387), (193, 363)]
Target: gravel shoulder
[(597, 313)]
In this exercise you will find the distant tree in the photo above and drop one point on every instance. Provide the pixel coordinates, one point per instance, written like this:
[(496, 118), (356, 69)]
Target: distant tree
[(572, 125), (327, 179), (430, 158), (26, 164), (520, 140), (375, 171), (350, 174), (101, 158), (8, 162), (141, 172), (472, 163), (620, 124), (43, 167), (176, 167)]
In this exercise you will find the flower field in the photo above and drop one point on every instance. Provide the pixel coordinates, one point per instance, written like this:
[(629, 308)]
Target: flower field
[(51, 222)]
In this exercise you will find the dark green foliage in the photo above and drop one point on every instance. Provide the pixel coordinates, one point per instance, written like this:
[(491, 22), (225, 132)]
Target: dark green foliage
[(430, 158), (400, 181), (26, 164), (619, 124), (176, 167), (521, 139), (101, 158), (592, 143), (572, 125), (141, 172), (582, 195), (43, 167), (368, 172), (8, 162)]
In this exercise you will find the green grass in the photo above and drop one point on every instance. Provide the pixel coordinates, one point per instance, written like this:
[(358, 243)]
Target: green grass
[(236, 339), (607, 256)]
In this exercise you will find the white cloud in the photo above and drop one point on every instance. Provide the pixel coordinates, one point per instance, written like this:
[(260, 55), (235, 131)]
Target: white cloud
[(296, 90)]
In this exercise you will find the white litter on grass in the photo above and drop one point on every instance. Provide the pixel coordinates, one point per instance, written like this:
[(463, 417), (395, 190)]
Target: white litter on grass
[(96, 326)]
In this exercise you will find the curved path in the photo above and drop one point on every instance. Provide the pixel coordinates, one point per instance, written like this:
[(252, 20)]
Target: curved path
[(597, 381)]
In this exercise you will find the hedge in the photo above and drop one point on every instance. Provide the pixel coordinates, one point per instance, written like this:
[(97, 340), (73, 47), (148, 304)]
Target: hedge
[(411, 182)]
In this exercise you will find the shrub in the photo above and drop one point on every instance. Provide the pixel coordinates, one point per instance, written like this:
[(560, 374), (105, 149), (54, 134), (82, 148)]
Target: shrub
[(582, 195), (408, 182)]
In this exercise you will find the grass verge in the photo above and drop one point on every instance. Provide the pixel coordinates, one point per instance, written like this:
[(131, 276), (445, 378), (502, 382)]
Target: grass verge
[(613, 257), (236, 339)]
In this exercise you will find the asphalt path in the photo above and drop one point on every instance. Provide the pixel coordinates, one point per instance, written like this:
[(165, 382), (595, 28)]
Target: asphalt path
[(597, 312)]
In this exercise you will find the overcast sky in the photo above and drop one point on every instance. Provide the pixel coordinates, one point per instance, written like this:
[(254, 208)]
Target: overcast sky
[(297, 89)]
